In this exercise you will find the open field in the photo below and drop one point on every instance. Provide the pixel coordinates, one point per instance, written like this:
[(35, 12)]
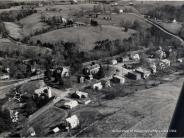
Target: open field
[(32, 23), (85, 37), (150, 108), (13, 29)]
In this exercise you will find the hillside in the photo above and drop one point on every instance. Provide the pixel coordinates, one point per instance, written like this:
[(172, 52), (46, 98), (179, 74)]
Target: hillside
[(32, 23), (85, 37)]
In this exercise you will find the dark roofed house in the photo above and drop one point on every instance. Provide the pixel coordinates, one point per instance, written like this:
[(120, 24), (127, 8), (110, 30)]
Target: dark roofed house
[(134, 75)]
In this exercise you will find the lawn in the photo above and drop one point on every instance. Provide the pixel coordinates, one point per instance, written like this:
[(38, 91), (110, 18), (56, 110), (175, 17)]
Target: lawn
[(85, 37)]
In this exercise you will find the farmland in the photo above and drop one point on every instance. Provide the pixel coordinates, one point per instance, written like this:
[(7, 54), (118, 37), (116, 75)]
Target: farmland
[(85, 37)]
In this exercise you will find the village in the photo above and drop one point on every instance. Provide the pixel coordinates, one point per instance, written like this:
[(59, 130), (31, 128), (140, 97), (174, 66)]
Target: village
[(75, 69)]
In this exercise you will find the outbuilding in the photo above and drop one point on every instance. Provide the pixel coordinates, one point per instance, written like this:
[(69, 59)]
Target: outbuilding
[(118, 79)]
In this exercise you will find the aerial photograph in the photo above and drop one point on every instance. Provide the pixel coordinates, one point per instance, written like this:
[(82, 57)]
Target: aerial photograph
[(91, 68)]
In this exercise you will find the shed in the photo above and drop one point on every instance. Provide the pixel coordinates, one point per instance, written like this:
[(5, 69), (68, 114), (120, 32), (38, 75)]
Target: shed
[(134, 75), (118, 79), (71, 104), (73, 121), (97, 86)]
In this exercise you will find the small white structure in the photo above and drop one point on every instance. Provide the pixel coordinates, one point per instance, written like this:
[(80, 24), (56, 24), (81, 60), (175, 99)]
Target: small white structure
[(136, 57), (153, 68), (71, 104), (114, 62), (79, 94), (174, 21), (120, 11), (97, 86), (32, 131), (46, 90), (65, 72), (118, 79), (4, 77), (55, 130), (179, 60), (73, 121), (166, 62)]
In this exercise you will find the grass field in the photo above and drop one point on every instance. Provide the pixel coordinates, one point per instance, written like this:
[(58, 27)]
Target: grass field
[(85, 37), (32, 23), (14, 30), (149, 108), (172, 27)]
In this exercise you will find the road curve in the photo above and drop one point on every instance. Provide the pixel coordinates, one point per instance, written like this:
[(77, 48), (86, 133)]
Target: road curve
[(159, 27)]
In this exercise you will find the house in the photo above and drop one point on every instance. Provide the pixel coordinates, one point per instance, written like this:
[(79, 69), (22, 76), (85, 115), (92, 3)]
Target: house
[(135, 57), (44, 90), (114, 62), (126, 59), (118, 79), (32, 132), (164, 63), (81, 79), (144, 72), (4, 77), (179, 60), (65, 72), (70, 104), (106, 83), (92, 69), (97, 86), (134, 75), (79, 95), (72, 121), (153, 68)]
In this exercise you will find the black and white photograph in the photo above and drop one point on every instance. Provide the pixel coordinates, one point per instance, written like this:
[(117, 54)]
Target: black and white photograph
[(91, 68)]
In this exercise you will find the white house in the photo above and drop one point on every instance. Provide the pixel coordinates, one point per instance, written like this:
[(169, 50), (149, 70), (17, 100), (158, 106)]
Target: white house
[(71, 104), (4, 77), (114, 62), (73, 121), (179, 60), (136, 57), (97, 86), (46, 90), (65, 72)]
